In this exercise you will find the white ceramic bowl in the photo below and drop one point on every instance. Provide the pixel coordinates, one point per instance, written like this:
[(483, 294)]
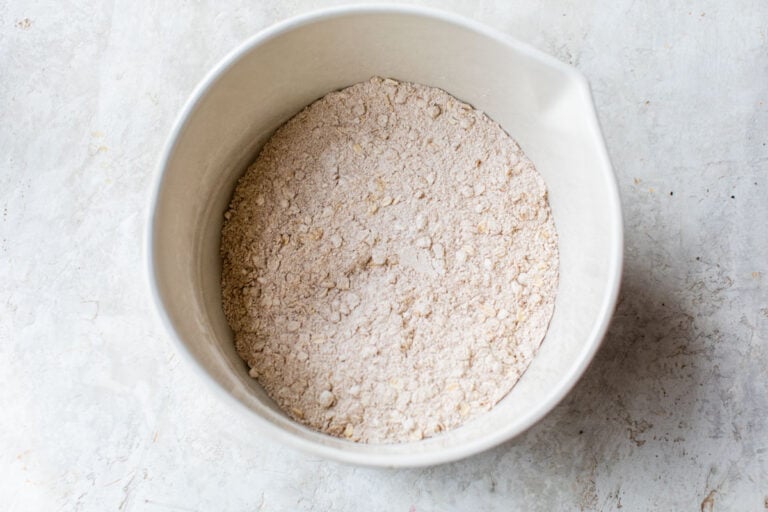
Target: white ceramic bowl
[(543, 104)]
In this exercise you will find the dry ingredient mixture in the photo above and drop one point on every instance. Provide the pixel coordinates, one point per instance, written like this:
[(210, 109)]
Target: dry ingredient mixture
[(389, 263)]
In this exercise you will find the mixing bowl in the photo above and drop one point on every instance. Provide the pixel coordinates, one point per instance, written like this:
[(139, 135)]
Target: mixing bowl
[(542, 103)]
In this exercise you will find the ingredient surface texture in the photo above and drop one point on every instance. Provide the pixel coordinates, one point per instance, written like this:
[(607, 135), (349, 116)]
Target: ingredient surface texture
[(389, 263)]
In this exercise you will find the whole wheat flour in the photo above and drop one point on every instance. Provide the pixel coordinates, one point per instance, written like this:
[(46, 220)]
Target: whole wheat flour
[(389, 263)]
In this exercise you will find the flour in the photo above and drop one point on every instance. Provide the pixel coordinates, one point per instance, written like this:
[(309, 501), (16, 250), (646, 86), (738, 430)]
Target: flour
[(389, 263)]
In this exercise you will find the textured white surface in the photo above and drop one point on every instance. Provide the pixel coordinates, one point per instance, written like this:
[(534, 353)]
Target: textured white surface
[(98, 413)]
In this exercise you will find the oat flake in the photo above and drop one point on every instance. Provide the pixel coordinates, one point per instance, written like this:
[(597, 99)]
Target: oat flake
[(389, 263)]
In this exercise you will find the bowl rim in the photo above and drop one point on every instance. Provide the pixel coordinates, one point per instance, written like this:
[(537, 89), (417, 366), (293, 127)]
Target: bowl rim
[(444, 454)]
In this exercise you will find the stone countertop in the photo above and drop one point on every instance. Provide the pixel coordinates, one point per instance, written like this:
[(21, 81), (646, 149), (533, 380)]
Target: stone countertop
[(98, 413)]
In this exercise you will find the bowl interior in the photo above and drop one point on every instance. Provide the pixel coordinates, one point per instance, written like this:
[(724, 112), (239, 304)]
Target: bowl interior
[(542, 104)]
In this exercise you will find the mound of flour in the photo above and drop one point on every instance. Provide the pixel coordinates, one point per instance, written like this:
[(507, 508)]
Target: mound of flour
[(389, 263)]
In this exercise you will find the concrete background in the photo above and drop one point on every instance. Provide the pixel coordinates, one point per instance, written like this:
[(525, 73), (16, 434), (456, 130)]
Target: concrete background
[(97, 413)]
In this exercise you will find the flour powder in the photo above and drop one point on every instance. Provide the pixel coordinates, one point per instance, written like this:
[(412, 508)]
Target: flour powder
[(389, 263)]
